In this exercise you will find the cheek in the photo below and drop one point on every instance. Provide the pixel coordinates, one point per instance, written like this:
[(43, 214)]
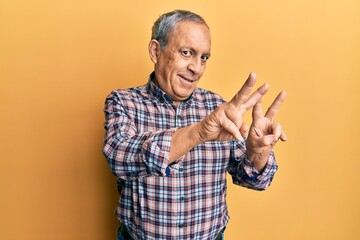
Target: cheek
[(179, 63)]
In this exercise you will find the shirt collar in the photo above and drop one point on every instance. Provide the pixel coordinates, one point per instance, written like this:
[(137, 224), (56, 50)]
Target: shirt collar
[(162, 96)]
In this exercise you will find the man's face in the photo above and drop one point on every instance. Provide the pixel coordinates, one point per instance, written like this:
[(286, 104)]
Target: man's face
[(180, 65)]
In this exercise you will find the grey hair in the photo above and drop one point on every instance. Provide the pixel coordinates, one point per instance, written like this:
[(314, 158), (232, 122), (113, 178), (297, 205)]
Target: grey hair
[(166, 23)]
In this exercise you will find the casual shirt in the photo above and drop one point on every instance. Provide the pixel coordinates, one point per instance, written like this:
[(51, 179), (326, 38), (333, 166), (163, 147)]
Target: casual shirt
[(182, 200)]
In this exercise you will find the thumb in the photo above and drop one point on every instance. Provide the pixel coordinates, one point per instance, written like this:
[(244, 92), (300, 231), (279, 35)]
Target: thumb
[(267, 140)]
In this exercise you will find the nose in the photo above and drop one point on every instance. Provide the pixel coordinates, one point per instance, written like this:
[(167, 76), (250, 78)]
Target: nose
[(195, 65)]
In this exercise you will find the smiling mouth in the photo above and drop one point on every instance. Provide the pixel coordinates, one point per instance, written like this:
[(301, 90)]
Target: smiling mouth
[(187, 79)]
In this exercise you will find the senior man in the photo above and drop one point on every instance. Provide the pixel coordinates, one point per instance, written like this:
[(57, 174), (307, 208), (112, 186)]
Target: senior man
[(170, 143)]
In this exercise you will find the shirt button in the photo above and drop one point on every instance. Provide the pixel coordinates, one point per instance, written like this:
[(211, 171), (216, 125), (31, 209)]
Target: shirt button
[(182, 198), (181, 169), (181, 225)]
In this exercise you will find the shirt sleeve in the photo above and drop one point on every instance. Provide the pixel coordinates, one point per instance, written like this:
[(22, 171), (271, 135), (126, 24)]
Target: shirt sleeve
[(131, 154), (244, 173)]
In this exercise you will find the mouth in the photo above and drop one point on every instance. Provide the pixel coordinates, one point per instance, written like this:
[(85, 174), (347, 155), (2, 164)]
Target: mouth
[(189, 80)]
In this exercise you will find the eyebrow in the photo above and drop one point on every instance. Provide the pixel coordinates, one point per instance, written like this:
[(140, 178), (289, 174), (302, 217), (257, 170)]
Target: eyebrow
[(193, 50)]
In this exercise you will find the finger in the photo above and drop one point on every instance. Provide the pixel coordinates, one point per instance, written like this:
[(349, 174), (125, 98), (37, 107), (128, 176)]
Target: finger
[(265, 141), (243, 94), (283, 136), (257, 111), (275, 106), (232, 113), (277, 131), (231, 128), (255, 98), (270, 140), (244, 130)]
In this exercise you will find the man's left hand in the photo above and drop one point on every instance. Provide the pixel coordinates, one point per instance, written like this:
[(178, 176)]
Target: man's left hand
[(264, 132)]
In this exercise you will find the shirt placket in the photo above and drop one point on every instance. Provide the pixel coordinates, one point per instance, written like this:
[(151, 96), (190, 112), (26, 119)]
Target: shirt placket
[(181, 183)]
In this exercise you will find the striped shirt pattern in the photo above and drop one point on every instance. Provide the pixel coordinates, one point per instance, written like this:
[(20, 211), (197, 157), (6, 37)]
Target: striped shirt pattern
[(183, 200)]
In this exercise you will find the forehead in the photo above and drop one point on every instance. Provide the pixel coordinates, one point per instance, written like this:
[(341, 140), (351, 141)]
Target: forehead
[(190, 34)]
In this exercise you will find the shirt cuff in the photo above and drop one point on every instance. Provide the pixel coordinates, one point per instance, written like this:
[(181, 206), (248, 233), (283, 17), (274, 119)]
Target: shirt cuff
[(254, 174), (156, 154)]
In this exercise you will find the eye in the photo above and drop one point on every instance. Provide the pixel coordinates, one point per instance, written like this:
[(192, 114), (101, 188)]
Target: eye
[(205, 58), (186, 53)]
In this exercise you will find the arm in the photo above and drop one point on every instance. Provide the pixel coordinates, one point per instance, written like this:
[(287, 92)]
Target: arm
[(223, 124), (243, 171), (252, 165), (131, 154)]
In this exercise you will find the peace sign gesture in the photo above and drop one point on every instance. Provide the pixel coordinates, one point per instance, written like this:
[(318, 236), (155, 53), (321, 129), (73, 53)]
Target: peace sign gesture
[(226, 122), (264, 132)]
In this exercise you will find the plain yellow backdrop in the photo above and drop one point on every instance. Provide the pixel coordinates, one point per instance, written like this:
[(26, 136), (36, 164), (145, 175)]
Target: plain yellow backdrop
[(59, 60)]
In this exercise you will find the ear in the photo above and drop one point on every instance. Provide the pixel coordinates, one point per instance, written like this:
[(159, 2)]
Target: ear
[(154, 49)]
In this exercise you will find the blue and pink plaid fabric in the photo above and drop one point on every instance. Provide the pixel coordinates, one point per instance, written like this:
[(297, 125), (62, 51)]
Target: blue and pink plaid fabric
[(183, 200)]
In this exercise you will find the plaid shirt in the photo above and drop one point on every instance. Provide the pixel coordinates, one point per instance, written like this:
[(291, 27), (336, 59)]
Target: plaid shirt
[(183, 200)]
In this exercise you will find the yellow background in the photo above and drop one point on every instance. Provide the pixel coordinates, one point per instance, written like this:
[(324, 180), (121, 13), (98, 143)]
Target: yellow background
[(59, 60)]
